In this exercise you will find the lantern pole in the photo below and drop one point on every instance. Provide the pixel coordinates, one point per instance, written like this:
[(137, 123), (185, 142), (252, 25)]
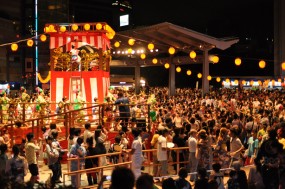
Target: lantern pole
[(36, 41)]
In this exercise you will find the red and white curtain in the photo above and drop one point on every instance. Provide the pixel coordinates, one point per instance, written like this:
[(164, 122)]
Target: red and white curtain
[(91, 84), (78, 40)]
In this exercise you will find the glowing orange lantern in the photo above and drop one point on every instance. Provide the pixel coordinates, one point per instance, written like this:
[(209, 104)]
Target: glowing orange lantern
[(62, 29), (131, 42), (30, 43), (178, 69), (87, 27), (74, 27), (150, 46), (283, 66), (199, 75), (218, 79), (117, 44), (143, 56), (98, 26), (238, 61), (130, 50), (14, 46), (262, 64), (166, 65), (43, 38), (215, 59), (171, 50), (192, 54), (154, 61), (188, 72)]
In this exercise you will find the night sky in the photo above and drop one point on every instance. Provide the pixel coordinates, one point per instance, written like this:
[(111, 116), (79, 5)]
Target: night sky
[(250, 20)]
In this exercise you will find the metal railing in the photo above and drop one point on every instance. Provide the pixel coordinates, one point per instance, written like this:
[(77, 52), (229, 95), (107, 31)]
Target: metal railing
[(67, 119)]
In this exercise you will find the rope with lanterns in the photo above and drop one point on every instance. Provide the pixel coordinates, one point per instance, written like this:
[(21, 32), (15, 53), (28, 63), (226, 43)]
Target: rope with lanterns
[(192, 54)]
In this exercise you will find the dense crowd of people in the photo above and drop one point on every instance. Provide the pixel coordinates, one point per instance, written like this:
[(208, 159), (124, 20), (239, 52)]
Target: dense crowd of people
[(225, 128)]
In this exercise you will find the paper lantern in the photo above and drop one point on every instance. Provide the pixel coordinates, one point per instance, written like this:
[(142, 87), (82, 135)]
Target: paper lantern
[(209, 77), (279, 80), (110, 35), (150, 46), (199, 75), (74, 27), (43, 38), (30, 43), (131, 42), (262, 64), (117, 44), (218, 79), (188, 72), (243, 82), (46, 29), (283, 66), (98, 26), (259, 82), (171, 50), (143, 56), (87, 27), (62, 29), (51, 28), (178, 69), (130, 51), (154, 61), (236, 81), (107, 27), (251, 82), (215, 59), (166, 65), (192, 54), (228, 80), (14, 46), (237, 61)]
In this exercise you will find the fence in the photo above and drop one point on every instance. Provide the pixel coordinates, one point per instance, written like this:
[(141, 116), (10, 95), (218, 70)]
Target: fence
[(97, 114)]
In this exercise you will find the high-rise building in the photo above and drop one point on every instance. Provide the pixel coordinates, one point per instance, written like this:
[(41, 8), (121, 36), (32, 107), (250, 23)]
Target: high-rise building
[(122, 15)]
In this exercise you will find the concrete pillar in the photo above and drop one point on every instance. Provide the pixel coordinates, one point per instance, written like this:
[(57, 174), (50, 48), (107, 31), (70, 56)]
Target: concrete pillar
[(171, 81), (137, 78), (205, 81), (279, 36)]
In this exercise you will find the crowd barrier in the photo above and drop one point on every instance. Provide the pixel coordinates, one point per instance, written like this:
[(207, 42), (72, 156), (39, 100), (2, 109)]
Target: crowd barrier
[(100, 169), (65, 120)]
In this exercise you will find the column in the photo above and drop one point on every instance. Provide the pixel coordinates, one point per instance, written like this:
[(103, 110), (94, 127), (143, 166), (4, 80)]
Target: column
[(205, 81), (171, 81), (279, 36), (137, 78)]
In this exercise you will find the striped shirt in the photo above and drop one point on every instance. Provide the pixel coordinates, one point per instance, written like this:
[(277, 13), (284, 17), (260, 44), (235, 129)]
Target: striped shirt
[(31, 149)]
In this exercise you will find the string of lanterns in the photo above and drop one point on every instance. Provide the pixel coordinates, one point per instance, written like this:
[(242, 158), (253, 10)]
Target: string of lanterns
[(29, 41), (192, 54)]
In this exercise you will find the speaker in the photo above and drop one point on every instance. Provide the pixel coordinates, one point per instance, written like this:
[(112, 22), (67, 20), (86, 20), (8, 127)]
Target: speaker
[(141, 122)]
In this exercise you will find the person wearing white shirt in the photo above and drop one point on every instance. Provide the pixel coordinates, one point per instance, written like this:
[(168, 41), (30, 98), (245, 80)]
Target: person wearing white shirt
[(136, 152), (162, 151), (192, 144)]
